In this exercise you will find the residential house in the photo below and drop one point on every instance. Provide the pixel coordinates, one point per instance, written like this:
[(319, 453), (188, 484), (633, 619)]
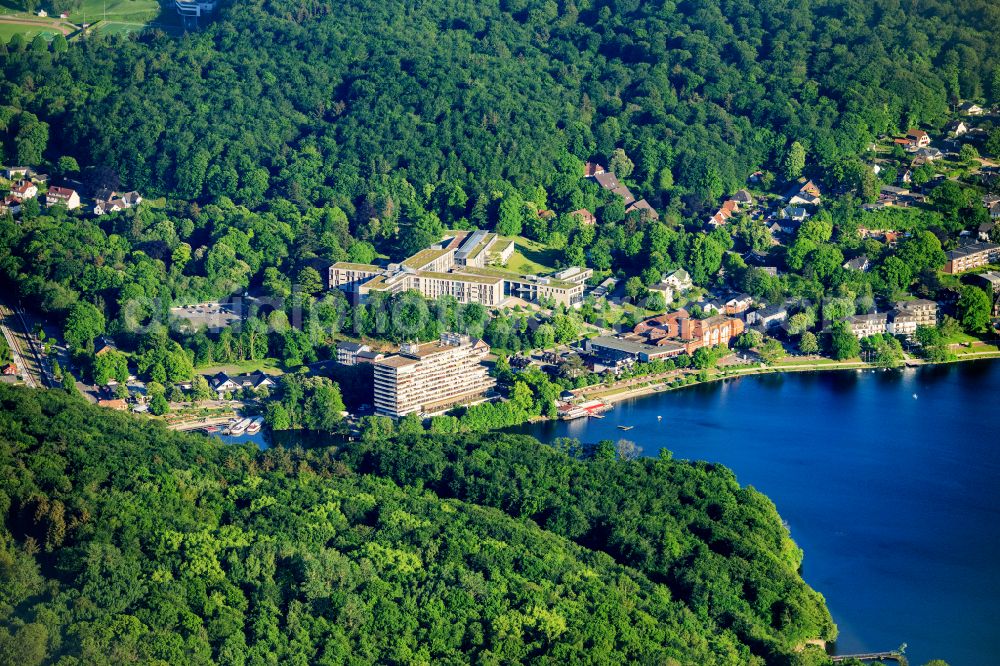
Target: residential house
[(103, 345), (10, 173), (970, 109), (10, 370), (368, 357), (679, 280), (609, 181), (591, 169), (917, 138), (956, 128), (859, 263), (972, 255), (222, 383), (927, 154), (738, 304), (728, 209), (108, 201), (711, 306), (768, 317), (10, 204), (347, 352), (62, 195), (645, 210), (23, 190), (995, 211), (792, 216), (586, 217), (664, 290), (986, 228), (804, 192), (922, 310), (869, 324), (743, 198)]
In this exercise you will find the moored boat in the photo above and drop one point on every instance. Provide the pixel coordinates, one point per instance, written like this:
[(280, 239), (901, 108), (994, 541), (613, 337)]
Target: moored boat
[(255, 425), (240, 427)]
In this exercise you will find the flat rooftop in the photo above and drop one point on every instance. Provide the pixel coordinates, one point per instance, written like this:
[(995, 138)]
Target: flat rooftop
[(424, 257), (518, 277), (349, 266), (396, 361), (461, 276), (972, 248)]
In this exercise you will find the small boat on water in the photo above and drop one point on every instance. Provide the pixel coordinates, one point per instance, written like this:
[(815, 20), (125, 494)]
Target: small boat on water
[(624, 427), (659, 418), (212, 429), (255, 425), (240, 427)]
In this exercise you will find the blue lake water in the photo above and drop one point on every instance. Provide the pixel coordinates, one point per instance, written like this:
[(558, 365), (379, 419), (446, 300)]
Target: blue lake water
[(889, 481)]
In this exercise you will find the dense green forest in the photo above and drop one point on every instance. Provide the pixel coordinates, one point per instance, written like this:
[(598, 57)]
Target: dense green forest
[(352, 104), (285, 137), (125, 542)]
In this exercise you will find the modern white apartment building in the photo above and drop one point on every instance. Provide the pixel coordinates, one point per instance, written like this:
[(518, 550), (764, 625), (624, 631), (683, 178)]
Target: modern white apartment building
[(432, 377)]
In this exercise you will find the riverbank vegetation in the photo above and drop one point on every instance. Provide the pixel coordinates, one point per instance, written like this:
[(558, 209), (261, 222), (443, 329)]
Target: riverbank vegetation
[(125, 542)]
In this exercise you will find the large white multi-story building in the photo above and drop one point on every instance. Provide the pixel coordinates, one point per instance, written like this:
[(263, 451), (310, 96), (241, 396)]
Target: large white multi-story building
[(460, 269), (432, 377)]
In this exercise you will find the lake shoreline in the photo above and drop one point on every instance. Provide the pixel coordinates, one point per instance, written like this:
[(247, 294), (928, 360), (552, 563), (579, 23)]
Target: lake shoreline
[(886, 480), (660, 386)]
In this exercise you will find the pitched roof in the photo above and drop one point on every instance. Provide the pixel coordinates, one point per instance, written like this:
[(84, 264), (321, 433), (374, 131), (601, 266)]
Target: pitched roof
[(60, 192), (607, 180)]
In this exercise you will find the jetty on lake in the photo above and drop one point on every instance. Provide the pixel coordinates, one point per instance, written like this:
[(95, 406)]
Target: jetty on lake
[(892, 655)]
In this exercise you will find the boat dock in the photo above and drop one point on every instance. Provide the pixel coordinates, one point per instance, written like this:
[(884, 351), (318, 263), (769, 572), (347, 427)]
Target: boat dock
[(592, 408), (892, 655)]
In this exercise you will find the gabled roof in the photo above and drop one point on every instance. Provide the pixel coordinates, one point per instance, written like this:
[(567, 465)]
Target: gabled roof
[(607, 180), (60, 192)]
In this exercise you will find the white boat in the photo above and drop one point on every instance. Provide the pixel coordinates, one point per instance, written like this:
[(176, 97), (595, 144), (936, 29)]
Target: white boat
[(255, 425), (240, 427)]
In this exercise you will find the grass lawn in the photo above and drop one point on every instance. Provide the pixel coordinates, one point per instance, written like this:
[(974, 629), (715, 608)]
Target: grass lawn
[(978, 349), (960, 338), (116, 11), (270, 366), (8, 30), (531, 258)]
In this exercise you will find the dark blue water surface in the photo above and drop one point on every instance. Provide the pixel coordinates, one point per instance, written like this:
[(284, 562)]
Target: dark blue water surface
[(889, 481)]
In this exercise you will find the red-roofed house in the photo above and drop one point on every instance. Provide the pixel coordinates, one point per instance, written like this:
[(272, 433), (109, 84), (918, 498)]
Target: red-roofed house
[(24, 189), (917, 138), (62, 195), (586, 217), (727, 210), (591, 169)]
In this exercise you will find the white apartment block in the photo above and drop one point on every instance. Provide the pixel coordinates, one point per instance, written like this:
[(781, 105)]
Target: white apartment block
[(432, 377)]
